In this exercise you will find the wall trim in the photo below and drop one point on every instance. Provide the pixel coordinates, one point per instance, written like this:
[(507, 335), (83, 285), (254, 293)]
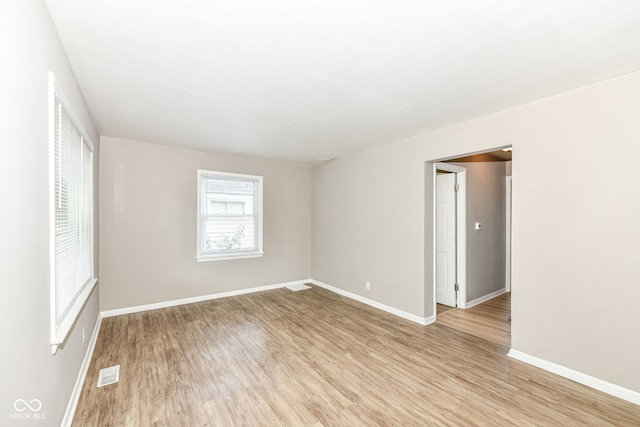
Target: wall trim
[(191, 300), (461, 230), (579, 377), (507, 270), (67, 419), (404, 314), (486, 298), (429, 320)]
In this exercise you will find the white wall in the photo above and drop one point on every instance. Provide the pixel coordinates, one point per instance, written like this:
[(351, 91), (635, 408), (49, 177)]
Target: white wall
[(575, 229), (29, 48), (365, 211), (148, 199)]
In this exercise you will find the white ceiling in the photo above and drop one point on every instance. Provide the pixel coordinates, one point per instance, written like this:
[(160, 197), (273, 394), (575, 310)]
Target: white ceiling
[(311, 80)]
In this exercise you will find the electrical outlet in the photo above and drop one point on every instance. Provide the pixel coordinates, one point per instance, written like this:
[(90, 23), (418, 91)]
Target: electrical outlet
[(84, 334), (367, 285)]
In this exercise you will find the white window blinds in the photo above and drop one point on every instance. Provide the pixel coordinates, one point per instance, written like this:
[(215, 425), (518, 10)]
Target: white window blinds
[(72, 211)]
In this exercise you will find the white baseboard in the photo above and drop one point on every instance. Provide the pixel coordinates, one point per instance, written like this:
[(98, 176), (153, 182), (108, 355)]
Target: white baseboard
[(82, 375), (372, 303), (173, 303), (485, 298), (428, 320), (579, 377)]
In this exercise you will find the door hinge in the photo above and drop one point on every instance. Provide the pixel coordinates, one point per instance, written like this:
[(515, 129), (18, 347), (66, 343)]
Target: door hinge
[(457, 187), (456, 287)]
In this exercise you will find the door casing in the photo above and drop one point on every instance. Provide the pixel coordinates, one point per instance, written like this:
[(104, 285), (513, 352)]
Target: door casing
[(461, 232), (446, 219), (507, 281)]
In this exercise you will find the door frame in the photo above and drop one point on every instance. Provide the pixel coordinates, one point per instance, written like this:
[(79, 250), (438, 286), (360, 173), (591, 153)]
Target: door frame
[(461, 232), (507, 278), (446, 232)]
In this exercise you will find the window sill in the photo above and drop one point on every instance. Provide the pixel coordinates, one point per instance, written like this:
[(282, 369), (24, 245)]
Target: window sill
[(60, 332), (225, 257)]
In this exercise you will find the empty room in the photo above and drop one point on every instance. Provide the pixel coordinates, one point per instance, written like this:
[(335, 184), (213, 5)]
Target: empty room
[(320, 213)]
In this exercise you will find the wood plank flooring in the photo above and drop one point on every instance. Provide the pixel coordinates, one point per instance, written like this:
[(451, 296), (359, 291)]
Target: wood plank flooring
[(314, 358), (440, 308), (487, 320)]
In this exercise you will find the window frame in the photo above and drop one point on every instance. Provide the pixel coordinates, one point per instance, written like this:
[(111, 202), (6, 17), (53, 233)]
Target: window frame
[(62, 323), (257, 252)]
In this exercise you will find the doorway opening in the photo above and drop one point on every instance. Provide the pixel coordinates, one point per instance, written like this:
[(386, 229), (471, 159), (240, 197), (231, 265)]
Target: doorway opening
[(471, 235)]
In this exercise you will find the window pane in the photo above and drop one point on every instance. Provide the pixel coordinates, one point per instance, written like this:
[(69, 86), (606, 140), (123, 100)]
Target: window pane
[(86, 216), (228, 222), (73, 211), (68, 193), (229, 233), (236, 208), (217, 208)]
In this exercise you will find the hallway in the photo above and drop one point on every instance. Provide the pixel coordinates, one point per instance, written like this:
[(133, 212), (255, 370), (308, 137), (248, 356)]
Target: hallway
[(487, 320)]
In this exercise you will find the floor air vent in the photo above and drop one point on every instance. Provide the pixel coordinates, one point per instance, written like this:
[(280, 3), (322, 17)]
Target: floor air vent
[(110, 375), (297, 288)]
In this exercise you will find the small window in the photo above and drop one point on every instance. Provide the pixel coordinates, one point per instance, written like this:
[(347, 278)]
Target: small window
[(229, 216)]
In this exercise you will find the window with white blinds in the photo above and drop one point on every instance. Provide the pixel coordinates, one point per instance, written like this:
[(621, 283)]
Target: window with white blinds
[(229, 216), (71, 175)]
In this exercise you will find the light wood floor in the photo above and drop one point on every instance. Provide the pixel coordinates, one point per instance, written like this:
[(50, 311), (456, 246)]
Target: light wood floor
[(487, 320), (314, 358)]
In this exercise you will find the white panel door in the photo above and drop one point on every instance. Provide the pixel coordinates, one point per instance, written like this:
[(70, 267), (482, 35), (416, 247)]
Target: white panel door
[(446, 239)]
